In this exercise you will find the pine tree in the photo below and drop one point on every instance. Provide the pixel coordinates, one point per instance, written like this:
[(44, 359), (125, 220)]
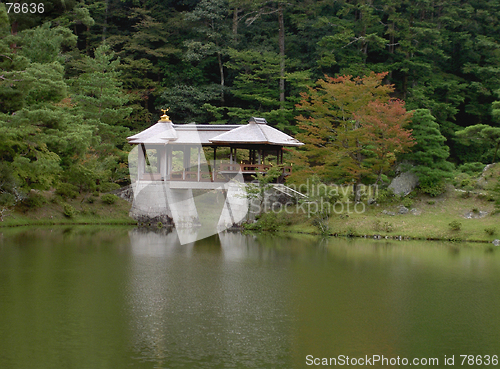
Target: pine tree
[(430, 153), (486, 135), (100, 101), (97, 90)]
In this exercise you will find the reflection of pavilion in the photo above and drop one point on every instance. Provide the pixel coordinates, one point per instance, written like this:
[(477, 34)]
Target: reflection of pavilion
[(172, 152), (169, 163)]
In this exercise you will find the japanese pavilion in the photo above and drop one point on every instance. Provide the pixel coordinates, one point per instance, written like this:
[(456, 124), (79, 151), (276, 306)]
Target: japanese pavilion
[(170, 163), (164, 141)]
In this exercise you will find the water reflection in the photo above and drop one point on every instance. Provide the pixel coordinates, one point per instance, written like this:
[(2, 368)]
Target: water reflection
[(161, 242), (198, 305), (117, 298)]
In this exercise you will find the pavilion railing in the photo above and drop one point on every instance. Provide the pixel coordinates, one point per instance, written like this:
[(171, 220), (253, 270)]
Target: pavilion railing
[(211, 176)]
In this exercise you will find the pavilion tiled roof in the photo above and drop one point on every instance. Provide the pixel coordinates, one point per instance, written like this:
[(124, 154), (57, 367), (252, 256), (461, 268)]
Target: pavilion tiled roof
[(159, 133), (255, 132)]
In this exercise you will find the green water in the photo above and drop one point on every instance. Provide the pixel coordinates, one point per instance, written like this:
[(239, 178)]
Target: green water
[(119, 298)]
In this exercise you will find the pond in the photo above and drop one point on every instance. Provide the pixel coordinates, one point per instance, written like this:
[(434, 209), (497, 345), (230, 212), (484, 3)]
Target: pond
[(83, 297)]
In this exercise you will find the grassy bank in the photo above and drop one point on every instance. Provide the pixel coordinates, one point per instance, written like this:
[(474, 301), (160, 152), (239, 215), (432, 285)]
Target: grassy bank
[(431, 218), (428, 218), (49, 209)]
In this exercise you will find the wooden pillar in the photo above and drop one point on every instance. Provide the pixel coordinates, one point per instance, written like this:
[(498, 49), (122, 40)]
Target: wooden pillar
[(199, 163), (163, 166), (213, 167), (186, 158), (158, 159), (141, 161), (169, 152)]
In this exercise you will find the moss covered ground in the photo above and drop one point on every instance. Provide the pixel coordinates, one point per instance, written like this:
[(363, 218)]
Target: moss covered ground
[(434, 218), (46, 208), (431, 220)]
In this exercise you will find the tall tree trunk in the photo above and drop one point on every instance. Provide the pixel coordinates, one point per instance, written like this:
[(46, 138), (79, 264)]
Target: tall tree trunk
[(222, 81), (235, 24), (281, 40)]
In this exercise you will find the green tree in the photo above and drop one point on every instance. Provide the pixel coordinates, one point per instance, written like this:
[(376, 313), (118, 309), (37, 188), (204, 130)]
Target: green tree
[(430, 153), (209, 17), (487, 136), (257, 90), (40, 134), (143, 53), (100, 101), (97, 90)]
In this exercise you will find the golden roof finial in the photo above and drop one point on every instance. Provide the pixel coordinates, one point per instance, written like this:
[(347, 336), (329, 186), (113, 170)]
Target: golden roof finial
[(165, 117)]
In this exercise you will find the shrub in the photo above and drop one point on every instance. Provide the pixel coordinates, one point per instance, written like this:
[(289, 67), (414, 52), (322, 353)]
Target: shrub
[(388, 227), (455, 225), (431, 202), (69, 211), (471, 168), (108, 186), (490, 231), (351, 232), (321, 221), (7, 199), (407, 202), (109, 199), (252, 226), (66, 190), (33, 201), (269, 222), (432, 188), (385, 195), (465, 181)]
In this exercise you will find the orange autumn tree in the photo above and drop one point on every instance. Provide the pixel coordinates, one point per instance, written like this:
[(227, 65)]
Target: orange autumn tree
[(382, 127), (351, 128)]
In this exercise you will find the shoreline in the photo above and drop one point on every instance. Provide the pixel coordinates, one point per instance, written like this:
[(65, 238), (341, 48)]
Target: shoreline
[(432, 220), (120, 222)]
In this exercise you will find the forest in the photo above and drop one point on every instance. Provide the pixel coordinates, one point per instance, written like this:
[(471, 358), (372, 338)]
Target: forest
[(78, 77)]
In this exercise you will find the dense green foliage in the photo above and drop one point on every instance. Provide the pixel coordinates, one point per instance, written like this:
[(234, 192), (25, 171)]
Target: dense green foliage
[(430, 154), (76, 79)]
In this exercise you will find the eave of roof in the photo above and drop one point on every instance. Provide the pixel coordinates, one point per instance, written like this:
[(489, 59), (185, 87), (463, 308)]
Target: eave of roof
[(255, 132)]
